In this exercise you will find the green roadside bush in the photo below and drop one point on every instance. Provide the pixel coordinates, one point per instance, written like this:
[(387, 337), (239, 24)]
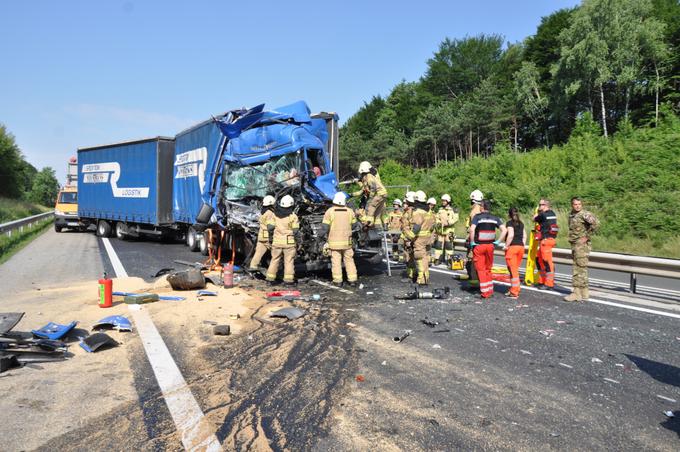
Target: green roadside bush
[(631, 181)]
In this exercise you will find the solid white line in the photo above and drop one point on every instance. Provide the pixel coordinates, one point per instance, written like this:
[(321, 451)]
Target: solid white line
[(113, 257), (195, 432), (635, 308), (552, 292)]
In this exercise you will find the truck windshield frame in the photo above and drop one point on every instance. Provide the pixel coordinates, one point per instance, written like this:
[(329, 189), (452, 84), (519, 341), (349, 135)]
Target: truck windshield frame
[(261, 179), (68, 197)]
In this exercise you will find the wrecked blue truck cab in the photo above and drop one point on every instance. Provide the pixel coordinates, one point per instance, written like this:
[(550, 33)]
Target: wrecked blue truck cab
[(225, 166)]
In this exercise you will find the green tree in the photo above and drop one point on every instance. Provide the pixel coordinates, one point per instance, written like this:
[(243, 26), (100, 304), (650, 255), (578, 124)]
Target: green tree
[(604, 45), (45, 187), (461, 64), (11, 162)]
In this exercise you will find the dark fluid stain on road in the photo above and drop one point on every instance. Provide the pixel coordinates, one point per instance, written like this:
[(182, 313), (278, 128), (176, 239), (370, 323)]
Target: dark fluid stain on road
[(276, 385)]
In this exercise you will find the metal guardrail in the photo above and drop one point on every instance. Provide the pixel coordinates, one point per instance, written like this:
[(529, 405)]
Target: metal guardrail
[(625, 263), (7, 228)]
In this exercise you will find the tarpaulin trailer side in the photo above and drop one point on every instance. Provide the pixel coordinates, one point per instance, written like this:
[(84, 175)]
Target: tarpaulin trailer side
[(195, 150), (127, 182)]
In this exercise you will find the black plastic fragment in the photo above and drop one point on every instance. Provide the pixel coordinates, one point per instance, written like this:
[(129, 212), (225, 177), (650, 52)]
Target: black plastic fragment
[(94, 342), (9, 320)]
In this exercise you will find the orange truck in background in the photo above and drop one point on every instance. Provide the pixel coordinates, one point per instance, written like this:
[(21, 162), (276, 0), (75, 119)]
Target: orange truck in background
[(66, 210)]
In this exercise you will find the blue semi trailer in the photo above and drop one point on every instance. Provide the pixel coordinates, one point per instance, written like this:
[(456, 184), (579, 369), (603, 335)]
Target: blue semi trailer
[(208, 182), (126, 188)]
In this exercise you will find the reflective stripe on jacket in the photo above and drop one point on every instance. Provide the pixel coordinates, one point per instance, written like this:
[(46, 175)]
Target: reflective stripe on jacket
[(340, 221), (284, 230), (265, 219)]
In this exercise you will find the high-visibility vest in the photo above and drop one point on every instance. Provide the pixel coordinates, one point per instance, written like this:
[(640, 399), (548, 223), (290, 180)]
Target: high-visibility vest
[(340, 221), (284, 230)]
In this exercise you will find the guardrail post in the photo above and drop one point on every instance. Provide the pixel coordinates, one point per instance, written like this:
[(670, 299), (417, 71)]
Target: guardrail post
[(633, 283)]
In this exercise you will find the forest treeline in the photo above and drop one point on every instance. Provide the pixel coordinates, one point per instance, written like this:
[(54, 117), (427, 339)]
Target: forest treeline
[(20, 182), (617, 60)]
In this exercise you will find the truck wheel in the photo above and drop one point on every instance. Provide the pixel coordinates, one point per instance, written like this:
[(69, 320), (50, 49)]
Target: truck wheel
[(192, 240), (203, 245), (103, 228), (121, 231), (57, 228)]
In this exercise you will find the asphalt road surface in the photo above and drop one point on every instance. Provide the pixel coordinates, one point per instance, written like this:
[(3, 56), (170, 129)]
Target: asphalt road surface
[(531, 374)]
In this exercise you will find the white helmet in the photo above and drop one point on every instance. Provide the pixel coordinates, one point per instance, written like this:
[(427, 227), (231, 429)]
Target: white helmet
[(432, 201), (287, 201), (397, 202), (364, 167), (477, 196), (340, 199), (421, 196), (410, 197), (268, 201), (446, 197)]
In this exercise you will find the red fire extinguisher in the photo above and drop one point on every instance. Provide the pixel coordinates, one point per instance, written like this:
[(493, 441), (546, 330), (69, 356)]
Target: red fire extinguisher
[(228, 275), (105, 292)]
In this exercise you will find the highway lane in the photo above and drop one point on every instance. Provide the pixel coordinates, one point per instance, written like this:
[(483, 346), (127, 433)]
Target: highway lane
[(491, 375), (549, 373)]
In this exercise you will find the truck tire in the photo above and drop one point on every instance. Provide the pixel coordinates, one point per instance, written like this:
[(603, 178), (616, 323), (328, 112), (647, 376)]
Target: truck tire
[(121, 231), (203, 245), (103, 228), (57, 228), (193, 240)]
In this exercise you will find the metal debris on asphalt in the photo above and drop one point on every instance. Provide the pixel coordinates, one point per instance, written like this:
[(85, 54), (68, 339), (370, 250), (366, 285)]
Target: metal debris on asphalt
[(401, 338), (53, 330), (669, 413), (430, 323), (96, 341), (117, 322), (9, 320), (668, 399), (187, 279), (436, 346), (291, 313), (595, 360), (547, 333)]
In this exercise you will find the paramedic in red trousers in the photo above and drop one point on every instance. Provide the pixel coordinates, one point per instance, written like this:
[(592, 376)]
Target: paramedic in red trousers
[(482, 240), (548, 229)]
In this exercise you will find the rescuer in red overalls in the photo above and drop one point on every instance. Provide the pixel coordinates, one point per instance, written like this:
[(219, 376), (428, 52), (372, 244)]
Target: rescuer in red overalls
[(546, 235), (482, 240)]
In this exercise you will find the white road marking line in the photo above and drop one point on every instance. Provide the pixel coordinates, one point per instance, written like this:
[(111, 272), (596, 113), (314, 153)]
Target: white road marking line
[(340, 289), (113, 257), (526, 352), (592, 300), (668, 399), (566, 365), (611, 381), (492, 340), (195, 431), (636, 308)]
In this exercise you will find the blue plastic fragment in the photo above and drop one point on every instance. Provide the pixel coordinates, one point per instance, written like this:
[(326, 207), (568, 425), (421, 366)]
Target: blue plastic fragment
[(207, 293), (54, 331), (117, 322)]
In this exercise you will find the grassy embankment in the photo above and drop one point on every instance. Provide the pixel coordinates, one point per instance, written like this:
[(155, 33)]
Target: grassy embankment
[(630, 181), (11, 209)]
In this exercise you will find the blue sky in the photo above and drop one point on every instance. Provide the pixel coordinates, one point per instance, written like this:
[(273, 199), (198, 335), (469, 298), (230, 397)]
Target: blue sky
[(81, 73)]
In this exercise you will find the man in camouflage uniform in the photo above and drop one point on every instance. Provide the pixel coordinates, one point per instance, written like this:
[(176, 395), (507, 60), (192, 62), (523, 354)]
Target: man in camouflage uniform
[(582, 224)]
